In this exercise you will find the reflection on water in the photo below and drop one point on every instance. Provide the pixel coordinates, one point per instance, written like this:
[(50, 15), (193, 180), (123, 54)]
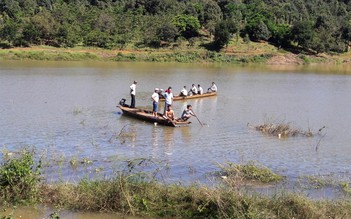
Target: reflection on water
[(67, 111)]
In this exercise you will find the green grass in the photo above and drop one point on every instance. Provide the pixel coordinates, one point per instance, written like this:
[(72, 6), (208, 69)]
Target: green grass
[(134, 192), (237, 52), (250, 172)]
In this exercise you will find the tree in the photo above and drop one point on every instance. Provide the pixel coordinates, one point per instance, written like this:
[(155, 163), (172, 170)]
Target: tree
[(10, 32), (10, 7), (221, 35), (187, 25), (261, 32), (212, 14), (281, 35), (31, 34), (302, 33), (167, 32)]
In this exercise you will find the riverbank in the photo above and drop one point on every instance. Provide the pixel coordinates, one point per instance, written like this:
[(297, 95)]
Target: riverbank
[(138, 193), (235, 53)]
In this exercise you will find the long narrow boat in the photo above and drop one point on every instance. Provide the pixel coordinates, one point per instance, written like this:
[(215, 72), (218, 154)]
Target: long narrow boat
[(175, 98), (146, 115)]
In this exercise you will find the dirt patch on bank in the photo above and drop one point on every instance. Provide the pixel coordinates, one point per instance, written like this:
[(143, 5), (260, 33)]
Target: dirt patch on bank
[(287, 59)]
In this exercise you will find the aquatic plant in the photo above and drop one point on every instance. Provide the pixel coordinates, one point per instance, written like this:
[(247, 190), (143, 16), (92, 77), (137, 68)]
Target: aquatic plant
[(345, 187), (283, 129), (249, 172)]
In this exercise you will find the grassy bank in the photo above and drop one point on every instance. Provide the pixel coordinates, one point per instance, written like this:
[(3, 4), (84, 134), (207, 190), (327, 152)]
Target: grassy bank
[(135, 193), (235, 53)]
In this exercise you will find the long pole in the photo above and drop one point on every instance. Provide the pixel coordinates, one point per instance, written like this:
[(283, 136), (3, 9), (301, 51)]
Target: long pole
[(198, 119)]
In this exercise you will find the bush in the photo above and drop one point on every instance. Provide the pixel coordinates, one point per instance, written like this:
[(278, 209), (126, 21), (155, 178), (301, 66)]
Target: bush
[(19, 178)]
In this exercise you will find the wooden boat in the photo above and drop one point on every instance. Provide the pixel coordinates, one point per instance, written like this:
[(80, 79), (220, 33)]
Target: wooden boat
[(146, 115), (175, 98)]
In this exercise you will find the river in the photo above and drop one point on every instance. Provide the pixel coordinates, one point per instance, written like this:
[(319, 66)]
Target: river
[(67, 111)]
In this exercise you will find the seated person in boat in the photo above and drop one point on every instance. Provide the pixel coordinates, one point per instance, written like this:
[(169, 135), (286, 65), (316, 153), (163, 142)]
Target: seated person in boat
[(193, 90), (199, 89), (169, 113), (183, 92), (187, 113), (213, 88)]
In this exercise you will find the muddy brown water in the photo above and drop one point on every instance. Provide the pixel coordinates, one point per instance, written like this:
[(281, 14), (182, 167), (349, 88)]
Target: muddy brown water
[(67, 110)]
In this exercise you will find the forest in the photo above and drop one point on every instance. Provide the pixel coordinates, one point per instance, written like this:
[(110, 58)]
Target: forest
[(313, 26)]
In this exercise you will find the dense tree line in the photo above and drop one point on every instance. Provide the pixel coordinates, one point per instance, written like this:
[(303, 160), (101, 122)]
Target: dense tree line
[(315, 25)]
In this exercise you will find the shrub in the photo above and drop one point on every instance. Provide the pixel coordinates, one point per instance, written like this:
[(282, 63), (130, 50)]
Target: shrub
[(19, 178)]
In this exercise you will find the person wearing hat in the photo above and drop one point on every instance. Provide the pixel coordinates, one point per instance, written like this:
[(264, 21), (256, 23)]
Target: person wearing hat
[(187, 113), (155, 98), (132, 94)]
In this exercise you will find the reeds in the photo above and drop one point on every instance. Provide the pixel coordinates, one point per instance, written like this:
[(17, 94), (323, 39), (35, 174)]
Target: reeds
[(283, 130), (135, 190)]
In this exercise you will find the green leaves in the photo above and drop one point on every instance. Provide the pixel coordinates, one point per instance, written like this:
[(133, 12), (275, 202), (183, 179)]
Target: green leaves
[(187, 25), (19, 178)]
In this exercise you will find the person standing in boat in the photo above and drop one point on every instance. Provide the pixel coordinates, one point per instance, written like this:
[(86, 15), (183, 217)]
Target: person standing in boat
[(183, 92), (199, 89), (168, 98), (193, 89), (187, 113), (213, 88), (155, 98), (132, 94)]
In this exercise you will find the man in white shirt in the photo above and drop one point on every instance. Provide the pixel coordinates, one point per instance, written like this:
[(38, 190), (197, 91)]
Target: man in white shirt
[(168, 98), (199, 89), (132, 94), (213, 88), (193, 89), (155, 98), (183, 92)]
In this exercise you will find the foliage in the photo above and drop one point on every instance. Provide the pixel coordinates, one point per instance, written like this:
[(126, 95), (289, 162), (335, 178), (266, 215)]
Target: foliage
[(250, 172), (19, 178), (316, 26), (167, 32), (141, 197), (222, 35), (187, 25)]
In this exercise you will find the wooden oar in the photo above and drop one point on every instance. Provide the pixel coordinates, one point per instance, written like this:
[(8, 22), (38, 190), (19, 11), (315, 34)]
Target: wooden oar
[(198, 119)]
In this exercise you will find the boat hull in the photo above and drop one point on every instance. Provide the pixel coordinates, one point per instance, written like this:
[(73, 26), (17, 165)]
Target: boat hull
[(146, 115), (177, 98)]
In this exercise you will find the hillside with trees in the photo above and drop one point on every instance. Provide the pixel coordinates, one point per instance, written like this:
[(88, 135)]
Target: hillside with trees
[(314, 26)]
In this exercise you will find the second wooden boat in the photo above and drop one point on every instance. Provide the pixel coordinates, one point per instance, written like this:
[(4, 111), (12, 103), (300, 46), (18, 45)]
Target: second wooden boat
[(175, 98)]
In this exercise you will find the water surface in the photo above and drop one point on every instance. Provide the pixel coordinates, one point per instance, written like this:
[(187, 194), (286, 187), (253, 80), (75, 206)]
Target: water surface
[(67, 110)]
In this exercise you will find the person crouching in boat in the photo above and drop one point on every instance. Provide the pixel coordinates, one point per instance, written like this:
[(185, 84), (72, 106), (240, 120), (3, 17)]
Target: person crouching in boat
[(169, 113), (183, 92), (187, 113)]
